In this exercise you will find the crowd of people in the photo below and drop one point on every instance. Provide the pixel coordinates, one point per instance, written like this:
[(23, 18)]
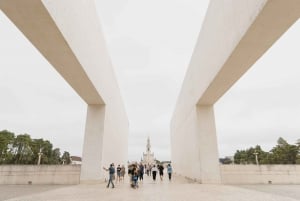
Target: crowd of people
[(136, 173), (120, 174)]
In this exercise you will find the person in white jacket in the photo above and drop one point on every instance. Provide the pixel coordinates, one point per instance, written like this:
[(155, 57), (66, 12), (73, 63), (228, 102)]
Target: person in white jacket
[(154, 171)]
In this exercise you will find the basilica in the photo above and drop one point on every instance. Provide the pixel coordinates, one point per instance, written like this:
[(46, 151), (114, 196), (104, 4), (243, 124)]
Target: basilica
[(148, 157)]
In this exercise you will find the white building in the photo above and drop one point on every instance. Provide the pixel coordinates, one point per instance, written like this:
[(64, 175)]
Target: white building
[(148, 157), (76, 160)]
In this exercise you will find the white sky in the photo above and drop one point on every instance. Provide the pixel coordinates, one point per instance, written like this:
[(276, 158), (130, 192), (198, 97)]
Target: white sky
[(150, 43)]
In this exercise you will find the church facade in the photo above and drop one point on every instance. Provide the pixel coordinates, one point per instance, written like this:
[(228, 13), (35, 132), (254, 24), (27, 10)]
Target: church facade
[(148, 157)]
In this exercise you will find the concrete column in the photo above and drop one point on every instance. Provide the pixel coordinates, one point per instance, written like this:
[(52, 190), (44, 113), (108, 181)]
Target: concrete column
[(91, 168), (208, 148), (246, 30), (69, 35)]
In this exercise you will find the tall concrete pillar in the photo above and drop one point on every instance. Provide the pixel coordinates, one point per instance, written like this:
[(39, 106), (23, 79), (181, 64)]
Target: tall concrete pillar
[(91, 168), (194, 145), (207, 144), (69, 35), (245, 30)]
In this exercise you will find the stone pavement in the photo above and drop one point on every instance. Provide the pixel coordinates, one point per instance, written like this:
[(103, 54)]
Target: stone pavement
[(11, 191), (177, 190)]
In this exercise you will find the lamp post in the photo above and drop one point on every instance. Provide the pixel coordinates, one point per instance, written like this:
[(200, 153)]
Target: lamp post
[(256, 158), (40, 156)]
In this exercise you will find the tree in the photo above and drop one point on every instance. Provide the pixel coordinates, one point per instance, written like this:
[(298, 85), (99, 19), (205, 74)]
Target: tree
[(66, 157), (240, 157), (298, 156), (281, 142), (36, 147), (47, 152), (22, 150), (298, 143), (284, 153), (6, 142), (43, 146), (55, 159), (248, 157)]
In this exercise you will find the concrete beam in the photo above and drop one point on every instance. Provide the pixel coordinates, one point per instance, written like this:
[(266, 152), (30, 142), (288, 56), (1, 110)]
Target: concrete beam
[(234, 35), (33, 19), (275, 18), (68, 34)]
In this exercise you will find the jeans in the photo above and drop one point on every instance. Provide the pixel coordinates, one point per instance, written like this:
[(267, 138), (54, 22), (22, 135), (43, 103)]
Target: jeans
[(111, 180)]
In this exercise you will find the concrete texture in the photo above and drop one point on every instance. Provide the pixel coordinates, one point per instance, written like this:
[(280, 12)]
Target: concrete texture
[(291, 191), (177, 190), (262, 174), (70, 174), (233, 37), (68, 34), (13, 191), (42, 174)]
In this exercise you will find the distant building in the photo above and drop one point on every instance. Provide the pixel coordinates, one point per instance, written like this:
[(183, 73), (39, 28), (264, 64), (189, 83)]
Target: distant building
[(148, 157), (75, 160)]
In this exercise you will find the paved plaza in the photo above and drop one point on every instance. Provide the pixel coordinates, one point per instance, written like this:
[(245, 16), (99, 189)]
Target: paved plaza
[(177, 190)]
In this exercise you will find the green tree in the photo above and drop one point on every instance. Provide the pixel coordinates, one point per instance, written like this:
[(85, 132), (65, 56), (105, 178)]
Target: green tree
[(262, 156), (6, 142), (47, 152), (282, 142), (49, 155), (298, 143), (55, 158), (248, 157), (43, 146), (66, 158), (284, 153), (298, 155), (240, 157), (22, 150)]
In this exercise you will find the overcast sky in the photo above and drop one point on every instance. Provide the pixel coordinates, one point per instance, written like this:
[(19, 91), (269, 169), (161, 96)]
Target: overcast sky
[(150, 44)]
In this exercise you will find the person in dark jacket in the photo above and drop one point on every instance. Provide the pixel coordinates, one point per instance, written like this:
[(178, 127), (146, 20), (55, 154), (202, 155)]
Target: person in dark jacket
[(161, 171), (141, 172), (111, 171)]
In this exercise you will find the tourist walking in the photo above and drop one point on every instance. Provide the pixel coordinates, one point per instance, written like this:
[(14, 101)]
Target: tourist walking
[(169, 169), (111, 171), (141, 172), (161, 171), (154, 171), (150, 169), (147, 169), (135, 176), (118, 173), (122, 172)]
